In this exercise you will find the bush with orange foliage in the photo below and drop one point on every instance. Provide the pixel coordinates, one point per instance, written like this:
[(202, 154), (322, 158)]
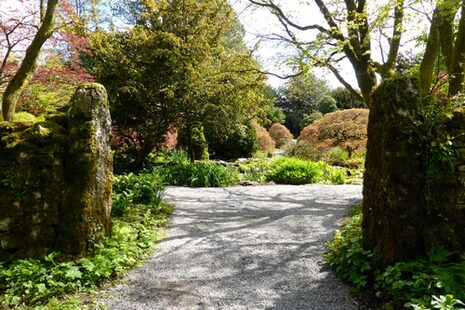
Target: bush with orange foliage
[(346, 129), (280, 134), (264, 140)]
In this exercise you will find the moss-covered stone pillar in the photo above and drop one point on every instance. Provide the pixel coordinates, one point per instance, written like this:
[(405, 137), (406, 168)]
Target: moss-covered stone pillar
[(85, 214), (393, 184)]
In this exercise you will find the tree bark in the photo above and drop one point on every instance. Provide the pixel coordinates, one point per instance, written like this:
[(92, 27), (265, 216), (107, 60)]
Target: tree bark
[(29, 63), (457, 71), (431, 53)]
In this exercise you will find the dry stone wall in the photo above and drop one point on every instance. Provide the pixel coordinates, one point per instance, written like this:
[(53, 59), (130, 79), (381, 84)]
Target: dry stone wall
[(55, 180), (414, 186)]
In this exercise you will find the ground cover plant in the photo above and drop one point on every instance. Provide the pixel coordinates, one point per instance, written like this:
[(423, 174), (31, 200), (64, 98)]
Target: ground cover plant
[(29, 283), (436, 281)]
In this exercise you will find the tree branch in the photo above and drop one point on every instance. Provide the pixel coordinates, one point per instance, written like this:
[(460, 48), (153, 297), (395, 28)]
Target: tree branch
[(346, 84), (277, 11)]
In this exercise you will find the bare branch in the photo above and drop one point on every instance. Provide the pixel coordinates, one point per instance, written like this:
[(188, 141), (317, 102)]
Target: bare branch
[(346, 84), (278, 12)]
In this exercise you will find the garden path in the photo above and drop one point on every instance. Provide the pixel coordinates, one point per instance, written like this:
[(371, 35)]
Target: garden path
[(257, 247)]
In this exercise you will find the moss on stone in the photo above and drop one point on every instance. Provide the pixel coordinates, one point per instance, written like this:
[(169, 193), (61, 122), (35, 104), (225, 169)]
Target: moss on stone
[(35, 136), (50, 194)]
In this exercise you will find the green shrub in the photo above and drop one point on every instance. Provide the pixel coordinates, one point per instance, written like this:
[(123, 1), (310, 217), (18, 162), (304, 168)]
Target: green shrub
[(327, 104), (334, 175), (199, 174), (165, 157), (337, 157), (297, 171), (31, 282), (355, 163), (294, 171), (132, 189), (240, 144)]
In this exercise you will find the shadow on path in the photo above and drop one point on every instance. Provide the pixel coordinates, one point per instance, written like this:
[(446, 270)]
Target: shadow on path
[(244, 248)]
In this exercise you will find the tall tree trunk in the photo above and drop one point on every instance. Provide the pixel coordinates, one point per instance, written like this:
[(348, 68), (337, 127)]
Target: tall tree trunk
[(457, 71), (431, 52), (366, 79), (29, 63)]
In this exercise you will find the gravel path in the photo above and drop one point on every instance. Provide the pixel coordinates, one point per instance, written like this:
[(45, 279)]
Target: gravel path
[(256, 247)]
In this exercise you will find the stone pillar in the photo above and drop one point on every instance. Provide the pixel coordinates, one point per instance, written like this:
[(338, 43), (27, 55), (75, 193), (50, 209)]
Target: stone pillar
[(393, 203), (85, 215)]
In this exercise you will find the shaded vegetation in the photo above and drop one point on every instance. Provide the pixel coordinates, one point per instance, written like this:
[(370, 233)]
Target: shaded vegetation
[(435, 281), (136, 226)]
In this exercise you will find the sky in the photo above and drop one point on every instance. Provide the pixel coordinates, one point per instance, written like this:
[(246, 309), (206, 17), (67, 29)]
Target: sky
[(259, 22)]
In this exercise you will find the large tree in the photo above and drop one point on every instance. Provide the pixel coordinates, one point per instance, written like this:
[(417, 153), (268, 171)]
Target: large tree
[(347, 33), (180, 65), (299, 96), (351, 28)]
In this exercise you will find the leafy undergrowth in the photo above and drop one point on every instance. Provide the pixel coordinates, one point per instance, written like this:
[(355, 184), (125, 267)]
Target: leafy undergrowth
[(41, 284), (433, 282), (297, 171), (176, 169), (254, 170), (199, 174)]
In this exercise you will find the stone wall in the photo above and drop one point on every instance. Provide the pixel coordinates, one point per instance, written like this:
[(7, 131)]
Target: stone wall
[(56, 179), (445, 184), (412, 202)]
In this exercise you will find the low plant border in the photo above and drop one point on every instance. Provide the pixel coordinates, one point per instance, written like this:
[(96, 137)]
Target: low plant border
[(429, 282), (57, 282)]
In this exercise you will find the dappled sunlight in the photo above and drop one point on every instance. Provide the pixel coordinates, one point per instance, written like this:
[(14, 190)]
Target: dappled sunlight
[(243, 247)]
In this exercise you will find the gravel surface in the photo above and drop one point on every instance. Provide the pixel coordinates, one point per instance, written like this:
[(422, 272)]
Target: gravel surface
[(258, 247)]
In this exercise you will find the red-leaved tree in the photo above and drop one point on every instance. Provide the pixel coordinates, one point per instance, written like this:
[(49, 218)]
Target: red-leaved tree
[(26, 27), (346, 129)]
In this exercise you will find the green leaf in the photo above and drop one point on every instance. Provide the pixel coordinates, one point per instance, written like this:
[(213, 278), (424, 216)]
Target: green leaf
[(73, 273)]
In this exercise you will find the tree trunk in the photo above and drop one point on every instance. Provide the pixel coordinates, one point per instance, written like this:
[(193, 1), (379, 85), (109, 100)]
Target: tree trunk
[(29, 63), (431, 53), (190, 144), (458, 65), (366, 79)]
